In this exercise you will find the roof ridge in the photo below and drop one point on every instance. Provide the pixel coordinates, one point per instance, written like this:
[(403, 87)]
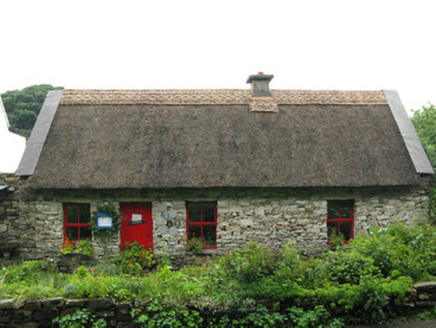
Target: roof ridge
[(218, 97)]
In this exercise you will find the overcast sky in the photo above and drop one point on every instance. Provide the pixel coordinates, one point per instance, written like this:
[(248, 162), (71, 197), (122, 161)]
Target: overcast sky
[(339, 45)]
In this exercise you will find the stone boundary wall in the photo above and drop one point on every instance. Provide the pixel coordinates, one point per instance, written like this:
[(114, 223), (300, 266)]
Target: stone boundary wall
[(268, 216), (32, 314)]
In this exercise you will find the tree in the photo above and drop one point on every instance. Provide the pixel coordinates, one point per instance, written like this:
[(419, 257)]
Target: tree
[(424, 121), (23, 106)]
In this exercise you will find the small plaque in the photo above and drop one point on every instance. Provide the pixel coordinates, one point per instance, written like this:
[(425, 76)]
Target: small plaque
[(136, 217), (104, 222)]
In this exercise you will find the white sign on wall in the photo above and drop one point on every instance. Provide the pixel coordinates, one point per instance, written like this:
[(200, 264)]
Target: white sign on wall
[(136, 217)]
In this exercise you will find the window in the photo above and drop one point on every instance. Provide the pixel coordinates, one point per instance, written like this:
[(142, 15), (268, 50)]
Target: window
[(77, 221), (340, 218), (202, 222)]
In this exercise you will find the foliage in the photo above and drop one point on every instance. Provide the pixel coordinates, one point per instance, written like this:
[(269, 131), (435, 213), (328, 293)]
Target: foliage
[(363, 282), (157, 315), (408, 250), (116, 216), (195, 244), (335, 240), (84, 246), (135, 258), (23, 106), (251, 262), (344, 266), (424, 121), (317, 317), (81, 318), (67, 247)]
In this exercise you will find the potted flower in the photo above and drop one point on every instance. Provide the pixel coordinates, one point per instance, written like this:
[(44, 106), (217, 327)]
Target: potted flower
[(195, 245)]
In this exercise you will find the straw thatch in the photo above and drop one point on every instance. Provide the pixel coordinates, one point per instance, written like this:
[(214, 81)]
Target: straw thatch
[(210, 138)]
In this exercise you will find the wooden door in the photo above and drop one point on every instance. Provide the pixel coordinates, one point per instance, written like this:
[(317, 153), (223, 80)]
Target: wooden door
[(137, 224)]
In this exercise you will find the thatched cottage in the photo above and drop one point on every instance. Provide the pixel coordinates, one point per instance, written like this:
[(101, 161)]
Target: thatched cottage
[(229, 166)]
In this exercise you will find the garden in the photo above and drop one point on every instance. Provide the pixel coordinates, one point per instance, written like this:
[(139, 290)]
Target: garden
[(363, 282)]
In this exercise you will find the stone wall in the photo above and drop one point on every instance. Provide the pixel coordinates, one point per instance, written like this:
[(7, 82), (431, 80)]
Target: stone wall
[(9, 217), (266, 216)]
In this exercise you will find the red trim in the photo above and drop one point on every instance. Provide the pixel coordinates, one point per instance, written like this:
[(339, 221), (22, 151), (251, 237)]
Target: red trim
[(349, 202), (203, 223), (78, 225)]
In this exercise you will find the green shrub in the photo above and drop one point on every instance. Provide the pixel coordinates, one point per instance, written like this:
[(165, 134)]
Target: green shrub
[(409, 250), (250, 263), (344, 266)]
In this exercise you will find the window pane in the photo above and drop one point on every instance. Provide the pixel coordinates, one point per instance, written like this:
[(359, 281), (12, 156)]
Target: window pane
[(85, 232), (194, 212), (72, 214), (346, 210), (209, 235), (72, 233), (345, 230), (333, 210), (332, 229), (209, 212), (85, 214), (194, 232)]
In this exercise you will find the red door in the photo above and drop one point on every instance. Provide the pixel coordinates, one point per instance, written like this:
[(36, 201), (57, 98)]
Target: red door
[(137, 224)]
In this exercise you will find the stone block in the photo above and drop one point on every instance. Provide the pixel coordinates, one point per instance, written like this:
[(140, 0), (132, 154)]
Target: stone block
[(53, 302), (100, 304), (7, 304)]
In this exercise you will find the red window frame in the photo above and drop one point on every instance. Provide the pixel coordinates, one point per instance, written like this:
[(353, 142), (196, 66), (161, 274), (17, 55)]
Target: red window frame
[(201, 223), (78, 224), (340, 219)]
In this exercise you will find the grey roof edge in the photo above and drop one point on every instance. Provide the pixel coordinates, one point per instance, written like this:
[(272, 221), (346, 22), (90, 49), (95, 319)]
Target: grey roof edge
[(413, 144), (39, 134)]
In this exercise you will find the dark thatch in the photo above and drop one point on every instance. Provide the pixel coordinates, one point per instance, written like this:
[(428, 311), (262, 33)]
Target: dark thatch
[(336, 143)]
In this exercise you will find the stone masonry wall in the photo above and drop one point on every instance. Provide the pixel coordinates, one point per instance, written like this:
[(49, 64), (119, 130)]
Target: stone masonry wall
[(266, 216), (9, 220)]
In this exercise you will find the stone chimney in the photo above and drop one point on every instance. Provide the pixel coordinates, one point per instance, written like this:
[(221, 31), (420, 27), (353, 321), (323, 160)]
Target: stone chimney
[(261, 99), (260, 85)]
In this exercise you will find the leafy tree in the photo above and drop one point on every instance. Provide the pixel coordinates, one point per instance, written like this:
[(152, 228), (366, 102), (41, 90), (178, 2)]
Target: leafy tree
[(23, 106), (424, 121)]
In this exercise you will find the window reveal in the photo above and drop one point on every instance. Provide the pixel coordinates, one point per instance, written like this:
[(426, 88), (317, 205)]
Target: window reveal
[(202, 222), (340, 215), (77, 221)]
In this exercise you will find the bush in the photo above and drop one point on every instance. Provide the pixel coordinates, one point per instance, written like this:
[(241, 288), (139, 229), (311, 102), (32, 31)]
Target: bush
[(250, 263), (409, 250)]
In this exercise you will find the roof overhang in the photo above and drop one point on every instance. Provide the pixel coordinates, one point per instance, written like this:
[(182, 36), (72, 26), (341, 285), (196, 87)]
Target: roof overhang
[(410, 137)]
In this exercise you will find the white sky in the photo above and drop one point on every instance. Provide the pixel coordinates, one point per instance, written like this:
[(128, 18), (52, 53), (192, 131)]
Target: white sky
[(341, 45)]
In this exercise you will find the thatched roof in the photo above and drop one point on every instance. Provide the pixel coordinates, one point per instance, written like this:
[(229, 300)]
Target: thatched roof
[(216, 138)]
